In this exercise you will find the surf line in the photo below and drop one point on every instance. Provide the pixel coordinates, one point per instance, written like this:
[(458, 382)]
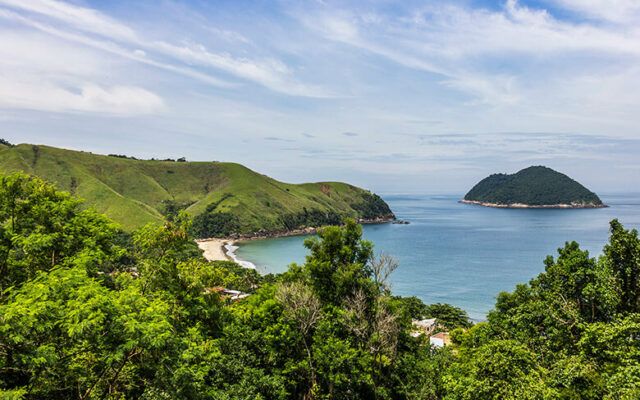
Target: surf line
[(231, 248)]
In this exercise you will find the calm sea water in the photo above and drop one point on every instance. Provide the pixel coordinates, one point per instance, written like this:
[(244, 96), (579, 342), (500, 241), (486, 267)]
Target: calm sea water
[(465, 254)]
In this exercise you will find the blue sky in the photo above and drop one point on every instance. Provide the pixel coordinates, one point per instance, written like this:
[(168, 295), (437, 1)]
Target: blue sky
[(407, 96)]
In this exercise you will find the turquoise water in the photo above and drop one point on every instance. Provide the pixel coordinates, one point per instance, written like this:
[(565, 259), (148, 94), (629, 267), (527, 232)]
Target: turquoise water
[(465, 254)]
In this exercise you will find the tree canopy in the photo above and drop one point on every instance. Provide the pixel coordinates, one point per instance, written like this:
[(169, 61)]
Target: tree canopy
[(90, 312), (533, 186)]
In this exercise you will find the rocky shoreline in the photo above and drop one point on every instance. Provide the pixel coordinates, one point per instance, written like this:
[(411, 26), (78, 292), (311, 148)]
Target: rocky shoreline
[(264, 234), (521, 205)]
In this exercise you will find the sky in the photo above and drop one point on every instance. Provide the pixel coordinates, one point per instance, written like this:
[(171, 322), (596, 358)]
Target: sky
[(393, 96)]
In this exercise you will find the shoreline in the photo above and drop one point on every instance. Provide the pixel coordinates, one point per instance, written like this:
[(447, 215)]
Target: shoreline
[(230, 251), (264, 234), (223, 249), (521, 205), (214, 249)]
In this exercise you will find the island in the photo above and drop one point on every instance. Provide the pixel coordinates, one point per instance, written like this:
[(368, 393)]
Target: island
[(533, 187)]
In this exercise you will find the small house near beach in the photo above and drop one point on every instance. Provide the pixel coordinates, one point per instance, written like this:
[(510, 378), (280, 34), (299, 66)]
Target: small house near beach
[(440, 339)]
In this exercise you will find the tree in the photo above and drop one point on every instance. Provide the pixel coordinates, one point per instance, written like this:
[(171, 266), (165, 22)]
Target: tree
[(575, 280), (615, 349), (301, 307), (382, 267), (448, 316), (41, 228), (502, 369), (338, 263), (64, 335), (571, 333), (170, 265), (215, 224), (622, 256)]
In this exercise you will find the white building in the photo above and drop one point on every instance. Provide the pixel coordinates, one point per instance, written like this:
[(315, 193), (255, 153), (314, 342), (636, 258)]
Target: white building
[(440, 339)]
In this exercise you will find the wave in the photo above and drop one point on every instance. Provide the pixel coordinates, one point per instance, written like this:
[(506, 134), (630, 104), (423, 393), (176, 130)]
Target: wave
[(231, 249)]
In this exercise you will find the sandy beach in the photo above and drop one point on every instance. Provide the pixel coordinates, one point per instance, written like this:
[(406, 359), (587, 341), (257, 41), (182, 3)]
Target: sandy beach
[(214, 249)]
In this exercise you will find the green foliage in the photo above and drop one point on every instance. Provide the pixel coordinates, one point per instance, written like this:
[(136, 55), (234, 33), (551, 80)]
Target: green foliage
[(328, 329), (223, 273), (573, 332), (171, 209), (310, 218), (337, 265), (144, 332), (120, 315), (372, 206), (64, 335), (622, 261), (215, 224), (532, 186), (448, 316), (137, 192), (41, 228), (13, 394), (412, 306), (502, 369)]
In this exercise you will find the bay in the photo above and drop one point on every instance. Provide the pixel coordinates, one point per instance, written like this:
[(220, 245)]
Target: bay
[(465, 254)]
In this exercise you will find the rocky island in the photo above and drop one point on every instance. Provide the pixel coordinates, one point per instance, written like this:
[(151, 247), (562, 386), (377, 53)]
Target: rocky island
[(533, 187)]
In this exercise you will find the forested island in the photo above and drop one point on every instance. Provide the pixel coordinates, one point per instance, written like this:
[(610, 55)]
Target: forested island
[(223, 198), (533, 187), (91, 311)]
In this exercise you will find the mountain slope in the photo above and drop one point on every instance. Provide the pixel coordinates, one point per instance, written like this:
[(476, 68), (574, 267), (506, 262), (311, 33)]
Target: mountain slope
[(536, 186), (136, 192)]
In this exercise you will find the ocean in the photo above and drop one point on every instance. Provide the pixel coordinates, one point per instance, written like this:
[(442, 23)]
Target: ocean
[(465, 254)]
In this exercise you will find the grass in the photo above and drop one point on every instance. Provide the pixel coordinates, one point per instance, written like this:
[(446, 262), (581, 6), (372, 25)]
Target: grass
[(135, 192)]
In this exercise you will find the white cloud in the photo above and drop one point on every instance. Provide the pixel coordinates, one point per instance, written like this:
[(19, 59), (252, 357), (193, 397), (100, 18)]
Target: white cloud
[(619, 11), (112, 48), (41, 72), (117, 100), (270, 73), (517, 59), (81, 18), (26, 51), (227, 34)]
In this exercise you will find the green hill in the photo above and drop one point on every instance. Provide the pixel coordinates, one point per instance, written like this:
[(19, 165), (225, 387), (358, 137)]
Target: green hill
[(224, 198), (536, 186)]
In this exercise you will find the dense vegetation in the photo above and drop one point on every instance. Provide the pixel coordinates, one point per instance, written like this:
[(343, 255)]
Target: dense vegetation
[(532, 186), (136, 192), (90, 312)]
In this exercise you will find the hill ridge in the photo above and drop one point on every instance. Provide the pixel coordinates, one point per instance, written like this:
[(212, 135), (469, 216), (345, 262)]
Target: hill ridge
[(135, 192)]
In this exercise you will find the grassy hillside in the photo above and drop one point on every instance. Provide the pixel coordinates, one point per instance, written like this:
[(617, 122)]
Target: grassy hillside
[(136, 192), (536, 186)]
